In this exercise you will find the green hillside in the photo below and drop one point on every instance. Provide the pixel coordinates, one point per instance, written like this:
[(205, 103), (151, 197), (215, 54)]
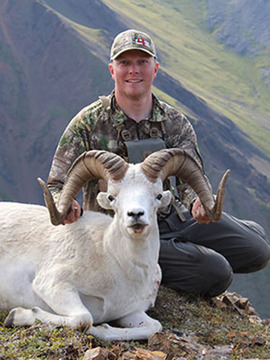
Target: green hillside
[(189, 53)]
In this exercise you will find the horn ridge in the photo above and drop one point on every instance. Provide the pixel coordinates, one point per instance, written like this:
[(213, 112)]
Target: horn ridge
[(91, 165), (114, 164), (180, 163)]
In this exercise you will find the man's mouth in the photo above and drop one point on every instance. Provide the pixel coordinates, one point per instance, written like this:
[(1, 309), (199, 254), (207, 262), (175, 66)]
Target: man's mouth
[(134, 81)]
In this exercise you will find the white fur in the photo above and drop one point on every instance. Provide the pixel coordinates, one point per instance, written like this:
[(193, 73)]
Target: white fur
[(93, 271)]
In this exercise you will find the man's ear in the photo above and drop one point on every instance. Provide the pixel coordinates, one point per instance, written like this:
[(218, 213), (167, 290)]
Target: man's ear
[(156, 68), (104, 202), (111, 68)]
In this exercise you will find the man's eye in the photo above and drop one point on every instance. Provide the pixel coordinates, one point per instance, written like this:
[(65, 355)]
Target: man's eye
[(159, 196), (110, 197)]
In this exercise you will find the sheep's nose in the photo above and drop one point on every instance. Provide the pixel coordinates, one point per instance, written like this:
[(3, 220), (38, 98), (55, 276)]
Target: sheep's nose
[(135, 214)]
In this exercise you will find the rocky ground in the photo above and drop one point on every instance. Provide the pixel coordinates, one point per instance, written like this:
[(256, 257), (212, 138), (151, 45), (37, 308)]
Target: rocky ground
[(226, 327)]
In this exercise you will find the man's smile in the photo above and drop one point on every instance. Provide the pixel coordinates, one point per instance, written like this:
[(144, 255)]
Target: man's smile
[(134, 81)]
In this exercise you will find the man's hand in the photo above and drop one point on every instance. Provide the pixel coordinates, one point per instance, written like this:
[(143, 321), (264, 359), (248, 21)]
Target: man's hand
[(74, 213), (199, 213)]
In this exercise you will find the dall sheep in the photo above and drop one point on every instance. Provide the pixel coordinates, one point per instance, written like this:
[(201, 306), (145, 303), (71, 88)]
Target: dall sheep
[(101, 268)]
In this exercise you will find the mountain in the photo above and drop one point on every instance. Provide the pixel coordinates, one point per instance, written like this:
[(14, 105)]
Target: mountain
[(38, 96), (242, 26), (214, 65)]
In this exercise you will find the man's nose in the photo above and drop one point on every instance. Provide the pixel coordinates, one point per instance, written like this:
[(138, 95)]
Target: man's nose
[(134, 68)]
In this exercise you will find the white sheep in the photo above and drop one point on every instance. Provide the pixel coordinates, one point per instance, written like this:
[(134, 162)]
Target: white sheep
[(100, 268)]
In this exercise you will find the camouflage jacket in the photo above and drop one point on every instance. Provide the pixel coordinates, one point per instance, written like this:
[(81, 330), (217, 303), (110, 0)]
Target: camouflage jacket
[(101, 127)]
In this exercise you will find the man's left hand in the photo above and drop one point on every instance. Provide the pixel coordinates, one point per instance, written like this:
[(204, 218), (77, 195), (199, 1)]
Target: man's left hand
[(199, 214)]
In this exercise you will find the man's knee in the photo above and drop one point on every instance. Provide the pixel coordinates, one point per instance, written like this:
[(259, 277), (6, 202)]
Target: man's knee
[(243, 243), (255, 252), (219, 273), (257, 256), (194, 269)]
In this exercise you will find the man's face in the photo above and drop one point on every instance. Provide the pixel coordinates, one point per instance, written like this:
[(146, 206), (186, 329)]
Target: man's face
[(133, 72)]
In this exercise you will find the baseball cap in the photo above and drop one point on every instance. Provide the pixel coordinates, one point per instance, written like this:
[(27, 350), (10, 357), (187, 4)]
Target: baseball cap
[(132, 40)]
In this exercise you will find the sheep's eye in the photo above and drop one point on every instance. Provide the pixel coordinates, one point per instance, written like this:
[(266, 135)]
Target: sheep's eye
[(159, 196), (110, 197)]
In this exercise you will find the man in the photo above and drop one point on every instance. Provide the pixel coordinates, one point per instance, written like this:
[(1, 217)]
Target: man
[(197, 255)]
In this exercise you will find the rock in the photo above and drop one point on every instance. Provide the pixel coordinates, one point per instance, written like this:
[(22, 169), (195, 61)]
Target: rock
[(99, 353), (237, 302), (142, 354)]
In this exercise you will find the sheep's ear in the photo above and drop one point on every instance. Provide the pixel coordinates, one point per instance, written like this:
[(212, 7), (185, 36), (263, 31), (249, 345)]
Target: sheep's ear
[(166, 198), (104, 202)]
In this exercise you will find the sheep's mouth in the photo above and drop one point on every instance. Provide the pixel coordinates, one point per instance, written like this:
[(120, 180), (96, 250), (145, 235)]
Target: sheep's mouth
[(138, 228)]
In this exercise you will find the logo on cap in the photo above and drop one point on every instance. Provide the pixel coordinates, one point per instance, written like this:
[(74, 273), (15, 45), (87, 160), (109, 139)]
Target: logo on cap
[(143, 42)]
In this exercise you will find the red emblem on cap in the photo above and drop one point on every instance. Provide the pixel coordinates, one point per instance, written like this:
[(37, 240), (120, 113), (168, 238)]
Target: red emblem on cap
[(142, 42)]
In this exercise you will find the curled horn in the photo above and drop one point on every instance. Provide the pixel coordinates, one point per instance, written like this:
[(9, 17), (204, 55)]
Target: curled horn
[(179, 163), (91, 165)]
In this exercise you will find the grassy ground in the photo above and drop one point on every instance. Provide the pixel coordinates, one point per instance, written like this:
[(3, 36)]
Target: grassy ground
[(192, 329)]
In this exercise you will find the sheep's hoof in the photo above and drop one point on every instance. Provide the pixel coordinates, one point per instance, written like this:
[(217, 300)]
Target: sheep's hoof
[(9, 321)]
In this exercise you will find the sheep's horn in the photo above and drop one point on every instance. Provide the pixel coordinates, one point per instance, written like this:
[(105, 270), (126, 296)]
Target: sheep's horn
[(179, 163), (91, 165)]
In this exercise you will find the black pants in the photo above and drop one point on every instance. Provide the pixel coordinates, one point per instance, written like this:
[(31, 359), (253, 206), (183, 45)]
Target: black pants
[(201, 259)]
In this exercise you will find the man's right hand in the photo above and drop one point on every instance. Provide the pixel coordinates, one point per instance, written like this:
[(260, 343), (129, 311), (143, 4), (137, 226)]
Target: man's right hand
[(74, 213)]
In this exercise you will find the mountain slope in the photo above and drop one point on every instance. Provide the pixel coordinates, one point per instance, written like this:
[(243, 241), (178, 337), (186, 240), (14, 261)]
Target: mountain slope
[(242, 26), (47, 75), (53, 61), (190, 54)]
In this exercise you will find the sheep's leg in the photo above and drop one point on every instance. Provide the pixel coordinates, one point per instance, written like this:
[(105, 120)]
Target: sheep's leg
[(27, 317), (64, 302), (136, 326)]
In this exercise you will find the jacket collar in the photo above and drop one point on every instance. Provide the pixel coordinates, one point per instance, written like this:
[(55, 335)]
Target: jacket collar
[(119, 117)]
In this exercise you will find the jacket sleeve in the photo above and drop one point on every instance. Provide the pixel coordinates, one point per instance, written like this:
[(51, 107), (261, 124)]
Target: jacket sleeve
[(181, 135), (72, 144)]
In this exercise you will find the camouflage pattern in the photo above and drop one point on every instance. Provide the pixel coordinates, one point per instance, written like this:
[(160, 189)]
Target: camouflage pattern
[(101, 128), (132, 40)]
